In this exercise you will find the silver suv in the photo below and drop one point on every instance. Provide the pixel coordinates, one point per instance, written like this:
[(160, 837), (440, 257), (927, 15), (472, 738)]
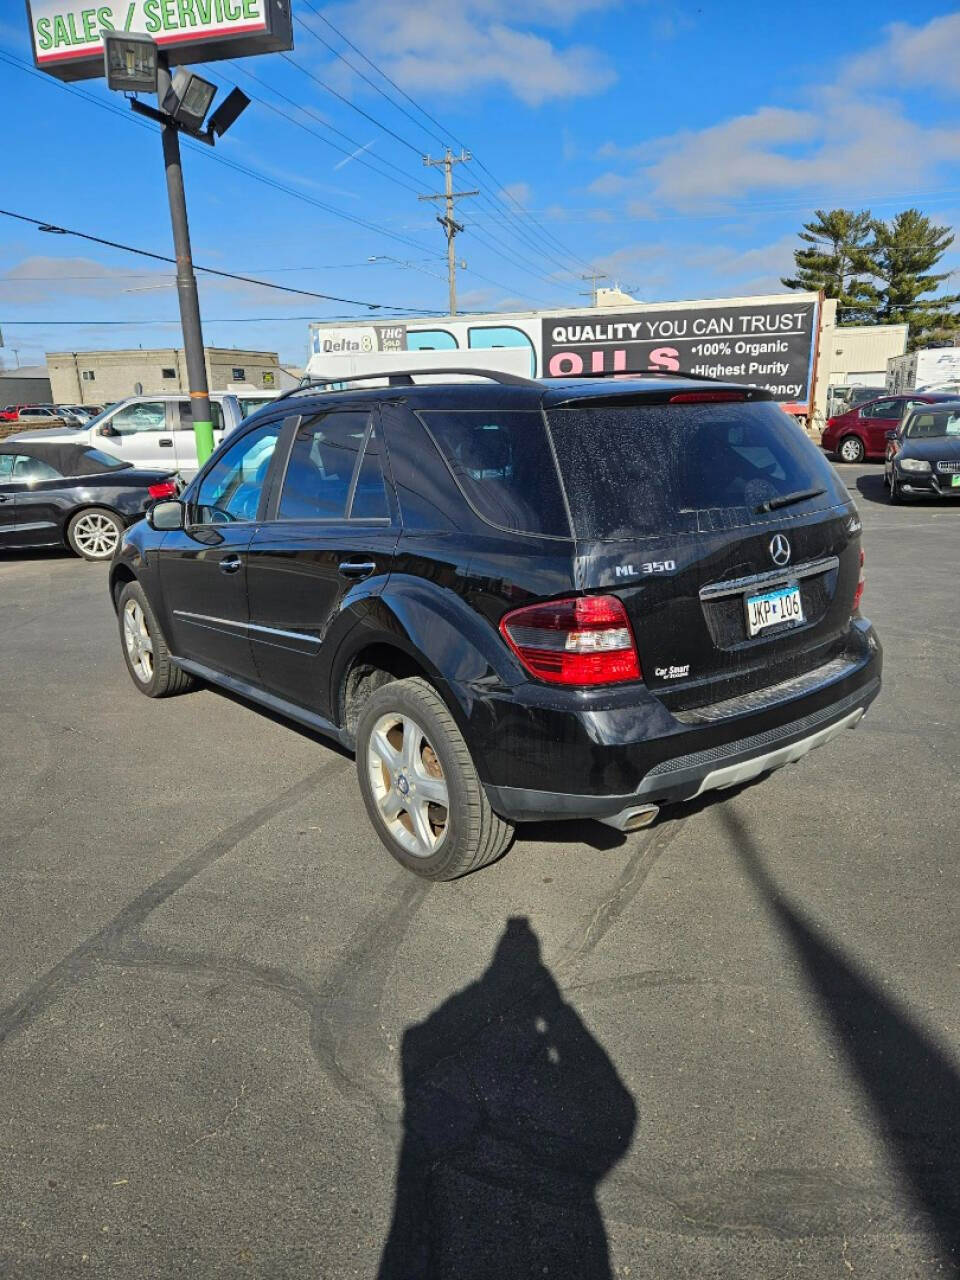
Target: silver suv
[(151, 432)]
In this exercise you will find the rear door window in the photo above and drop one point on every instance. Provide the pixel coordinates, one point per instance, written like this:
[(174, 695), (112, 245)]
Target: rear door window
[(323, 467), (183, 415), (641, 470), (502, 462)]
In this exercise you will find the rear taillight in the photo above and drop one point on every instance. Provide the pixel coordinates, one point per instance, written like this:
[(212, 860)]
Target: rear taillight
[(858, 594), (165, 489), (584, 640)]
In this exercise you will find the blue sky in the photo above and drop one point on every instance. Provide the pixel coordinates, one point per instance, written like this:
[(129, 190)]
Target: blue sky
[(677, 147)]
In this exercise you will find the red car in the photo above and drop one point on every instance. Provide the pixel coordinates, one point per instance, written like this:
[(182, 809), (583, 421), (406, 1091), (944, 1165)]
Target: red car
[(862, 431), (11, 413)]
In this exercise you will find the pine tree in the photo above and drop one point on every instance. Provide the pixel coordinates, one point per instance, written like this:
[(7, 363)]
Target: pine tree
[(905, 251), (838, 261)]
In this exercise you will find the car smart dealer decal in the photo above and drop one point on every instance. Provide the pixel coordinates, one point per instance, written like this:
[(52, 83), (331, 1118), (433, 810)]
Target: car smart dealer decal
[(71, 30)]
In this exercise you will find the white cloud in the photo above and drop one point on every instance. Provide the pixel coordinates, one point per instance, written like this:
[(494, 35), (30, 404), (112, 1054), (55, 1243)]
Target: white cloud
[(925, 56), (850, 139), (453, 48), (38, 280), (520, 192), (45, 279)]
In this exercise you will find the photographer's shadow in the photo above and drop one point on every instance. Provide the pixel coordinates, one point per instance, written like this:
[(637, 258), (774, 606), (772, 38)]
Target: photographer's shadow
[(513, 1114)]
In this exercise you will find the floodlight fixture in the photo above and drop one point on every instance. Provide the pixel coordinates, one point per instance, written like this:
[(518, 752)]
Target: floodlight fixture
[(130, 61), (188, 99), (233, 105)]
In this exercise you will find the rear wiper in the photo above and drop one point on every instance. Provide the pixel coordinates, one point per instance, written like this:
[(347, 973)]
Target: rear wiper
[(788, 499)]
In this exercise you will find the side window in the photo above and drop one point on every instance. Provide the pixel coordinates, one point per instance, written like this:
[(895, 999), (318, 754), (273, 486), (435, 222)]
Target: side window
[(322, 465), (882, 409), (27, 469), (183, 415), (502, 463), (147, 415), (6, 467), (231, 489), (370, 491)]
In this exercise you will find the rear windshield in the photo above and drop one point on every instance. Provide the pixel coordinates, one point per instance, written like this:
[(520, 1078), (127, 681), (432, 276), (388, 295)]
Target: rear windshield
[(105, 460), (927, 426), (502, 462), (637, 470)]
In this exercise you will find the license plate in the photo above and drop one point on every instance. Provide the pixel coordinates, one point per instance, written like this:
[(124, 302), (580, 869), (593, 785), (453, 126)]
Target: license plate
[(955, 482), (773, 608)]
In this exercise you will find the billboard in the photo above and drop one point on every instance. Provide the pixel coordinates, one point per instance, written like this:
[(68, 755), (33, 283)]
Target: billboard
[(769, 344), (770, 341), (67, 33)]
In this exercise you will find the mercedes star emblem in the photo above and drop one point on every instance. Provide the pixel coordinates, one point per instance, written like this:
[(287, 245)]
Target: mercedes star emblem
[(779, 550)]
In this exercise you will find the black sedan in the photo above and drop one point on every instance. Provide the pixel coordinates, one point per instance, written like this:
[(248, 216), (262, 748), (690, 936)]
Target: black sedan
[(923, 454), (57, 494)]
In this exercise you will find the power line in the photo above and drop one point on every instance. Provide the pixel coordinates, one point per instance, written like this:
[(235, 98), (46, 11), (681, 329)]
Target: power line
[(262, 178), (351, 155), (352, 105), (443, 141), (376, 88), (211, 271), (220, 159), (530, 242)]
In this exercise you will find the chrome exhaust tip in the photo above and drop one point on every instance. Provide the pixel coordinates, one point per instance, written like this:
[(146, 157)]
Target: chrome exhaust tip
[(632, 819)]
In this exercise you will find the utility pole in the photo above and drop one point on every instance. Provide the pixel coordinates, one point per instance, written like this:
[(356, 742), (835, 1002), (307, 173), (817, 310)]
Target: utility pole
[(186, 280), (450, 226), (593, 277)]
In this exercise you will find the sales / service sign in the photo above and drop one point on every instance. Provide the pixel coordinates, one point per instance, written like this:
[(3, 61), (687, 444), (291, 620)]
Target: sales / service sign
[(67, 34), (770, 344)]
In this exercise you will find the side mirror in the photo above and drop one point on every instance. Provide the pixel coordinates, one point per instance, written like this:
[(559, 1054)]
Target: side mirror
[(167, 515), (107, 430)]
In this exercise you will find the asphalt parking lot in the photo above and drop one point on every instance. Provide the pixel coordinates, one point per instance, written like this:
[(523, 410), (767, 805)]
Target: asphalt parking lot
[(237, 1040)]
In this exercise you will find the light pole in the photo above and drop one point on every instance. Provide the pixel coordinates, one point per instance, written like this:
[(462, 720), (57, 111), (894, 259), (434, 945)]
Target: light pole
[(134, 62), (187, 294)]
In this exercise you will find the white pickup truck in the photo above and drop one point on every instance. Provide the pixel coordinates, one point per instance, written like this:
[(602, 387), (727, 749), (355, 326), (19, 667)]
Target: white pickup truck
[(154, 432)]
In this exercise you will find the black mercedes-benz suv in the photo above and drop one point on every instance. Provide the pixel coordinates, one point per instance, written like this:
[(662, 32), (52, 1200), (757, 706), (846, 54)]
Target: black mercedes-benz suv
[(513, 599)]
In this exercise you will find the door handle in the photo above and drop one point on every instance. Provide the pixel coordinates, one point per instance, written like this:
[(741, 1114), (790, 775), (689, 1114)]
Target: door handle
[(230, 564), (356, 568), (3, 499), (166, 442)]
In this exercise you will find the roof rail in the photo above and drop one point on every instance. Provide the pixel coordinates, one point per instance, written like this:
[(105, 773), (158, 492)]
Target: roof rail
[(405, 378)]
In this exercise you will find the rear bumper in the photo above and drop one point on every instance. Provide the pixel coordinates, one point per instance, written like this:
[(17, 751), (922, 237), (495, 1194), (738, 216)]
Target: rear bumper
[(664, 759)]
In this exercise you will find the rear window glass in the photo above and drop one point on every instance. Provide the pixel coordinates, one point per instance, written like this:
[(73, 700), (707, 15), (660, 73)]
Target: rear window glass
[(639, 470), (502, 462), (105, 460)]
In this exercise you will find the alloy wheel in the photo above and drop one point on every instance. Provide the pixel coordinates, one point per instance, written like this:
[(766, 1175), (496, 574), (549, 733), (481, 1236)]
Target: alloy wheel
[(136, 637), (851, 450), (96, 535), (408, 785)]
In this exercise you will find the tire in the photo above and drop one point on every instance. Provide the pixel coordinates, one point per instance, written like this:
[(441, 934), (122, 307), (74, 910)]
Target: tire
[(408, 740), (95, 533), (850, 449), (145, 650)]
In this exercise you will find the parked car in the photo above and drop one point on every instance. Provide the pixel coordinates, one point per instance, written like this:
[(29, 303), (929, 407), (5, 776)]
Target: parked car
[(861, 432), (79, 413), (923, 454), (152, 431), (11, 412), (515, 601), (42, 415), (59, 494)]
